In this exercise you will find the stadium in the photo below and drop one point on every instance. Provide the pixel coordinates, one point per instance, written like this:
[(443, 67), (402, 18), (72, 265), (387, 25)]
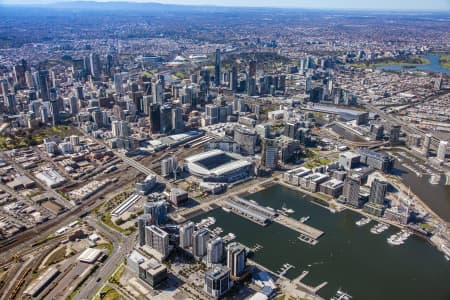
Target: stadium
[(219, 166)]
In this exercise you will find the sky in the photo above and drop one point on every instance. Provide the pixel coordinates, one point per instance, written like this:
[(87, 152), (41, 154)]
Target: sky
[(437, 5)]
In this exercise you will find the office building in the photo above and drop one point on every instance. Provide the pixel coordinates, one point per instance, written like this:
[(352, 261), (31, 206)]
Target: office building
[(214, 252), (211, 114), (178, 196), (200, 240), (426, 144), (394, 135), (378, 191), (150, 271), (217, 68), (376, 160), (269, 154), (349, 160), (157, 210), (442, 150), (236, 258), (158, 92), (158, 240), (95, 66), (145, 186), (177, 119), (351, 191), (217, 281), (169, 166), (186, 235), (246, 138), (144, 220), (165, 120)]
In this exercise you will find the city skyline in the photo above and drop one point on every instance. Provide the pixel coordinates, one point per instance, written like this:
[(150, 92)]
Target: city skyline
[(433, 5)]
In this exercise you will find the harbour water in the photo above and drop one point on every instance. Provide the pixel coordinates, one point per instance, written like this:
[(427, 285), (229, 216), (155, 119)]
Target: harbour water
[(438, 200), (347, 256), (433, 66)]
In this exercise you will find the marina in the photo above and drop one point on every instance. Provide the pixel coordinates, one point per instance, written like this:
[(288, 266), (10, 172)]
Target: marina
[(399, 238), (379, 228), (363, 221), (337, 258)]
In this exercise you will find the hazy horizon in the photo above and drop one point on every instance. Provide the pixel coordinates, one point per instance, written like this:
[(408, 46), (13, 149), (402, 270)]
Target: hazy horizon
[(434, 5)]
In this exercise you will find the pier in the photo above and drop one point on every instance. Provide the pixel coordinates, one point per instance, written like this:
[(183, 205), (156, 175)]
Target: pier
[(300, 227)]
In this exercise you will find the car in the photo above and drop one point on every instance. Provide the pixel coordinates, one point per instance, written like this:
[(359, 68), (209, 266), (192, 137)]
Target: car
[(98, 279)]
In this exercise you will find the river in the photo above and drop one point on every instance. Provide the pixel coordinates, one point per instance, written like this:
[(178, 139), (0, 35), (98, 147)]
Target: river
[(347, 256)]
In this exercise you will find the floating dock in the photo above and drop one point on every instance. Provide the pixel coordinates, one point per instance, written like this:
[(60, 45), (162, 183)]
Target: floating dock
[(300, 227)]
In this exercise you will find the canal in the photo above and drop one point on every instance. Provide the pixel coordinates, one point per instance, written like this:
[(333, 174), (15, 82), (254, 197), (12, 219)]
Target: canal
[(347, 256)]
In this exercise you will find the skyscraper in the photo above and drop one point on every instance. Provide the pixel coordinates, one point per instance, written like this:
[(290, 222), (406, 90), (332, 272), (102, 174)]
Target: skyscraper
[(165, 120), (442, 150), (144, 220), (217, 68), (96, 67), (269, 154), (378, 191), (214, 251), (157, 211), (158, 92), (157, 239), (234, 79), (186, 233), (200, 240), (236, 259), (177, 119), (42, 79), (155, 118), (351, 191), (217, 281)]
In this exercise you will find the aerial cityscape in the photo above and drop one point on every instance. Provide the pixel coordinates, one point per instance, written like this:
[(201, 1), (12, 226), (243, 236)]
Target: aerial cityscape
[(236, 150)]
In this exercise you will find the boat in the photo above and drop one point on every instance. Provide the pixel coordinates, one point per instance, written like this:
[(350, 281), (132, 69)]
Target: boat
[(304, 219), (226, 209), (340, 295), (363, 221)]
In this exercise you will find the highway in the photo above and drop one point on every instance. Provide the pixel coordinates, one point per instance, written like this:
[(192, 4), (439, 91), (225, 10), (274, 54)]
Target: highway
[(121, 247)]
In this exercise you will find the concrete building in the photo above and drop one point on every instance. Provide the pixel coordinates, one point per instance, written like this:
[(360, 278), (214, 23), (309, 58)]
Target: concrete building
[(246, 138), (200, 240), (378, 191), (148, 270), (145, 186), (332, 187), (351, 191), (214, 252), (217, 281), (376, 160), (349, 160), (144, 220), (442, 150), (186, 235), (178, 196), (236, 258), (157, 210), (269, 154), (158, 240), (168, 166)]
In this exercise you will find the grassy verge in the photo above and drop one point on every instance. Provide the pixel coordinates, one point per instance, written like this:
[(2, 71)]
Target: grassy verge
[(411, 61), (108, 293), (106, 218), (445, 60)]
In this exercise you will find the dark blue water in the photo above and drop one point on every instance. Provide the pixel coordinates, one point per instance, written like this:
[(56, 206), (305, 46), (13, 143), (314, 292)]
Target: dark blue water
[(347, 256), (434, 66)]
